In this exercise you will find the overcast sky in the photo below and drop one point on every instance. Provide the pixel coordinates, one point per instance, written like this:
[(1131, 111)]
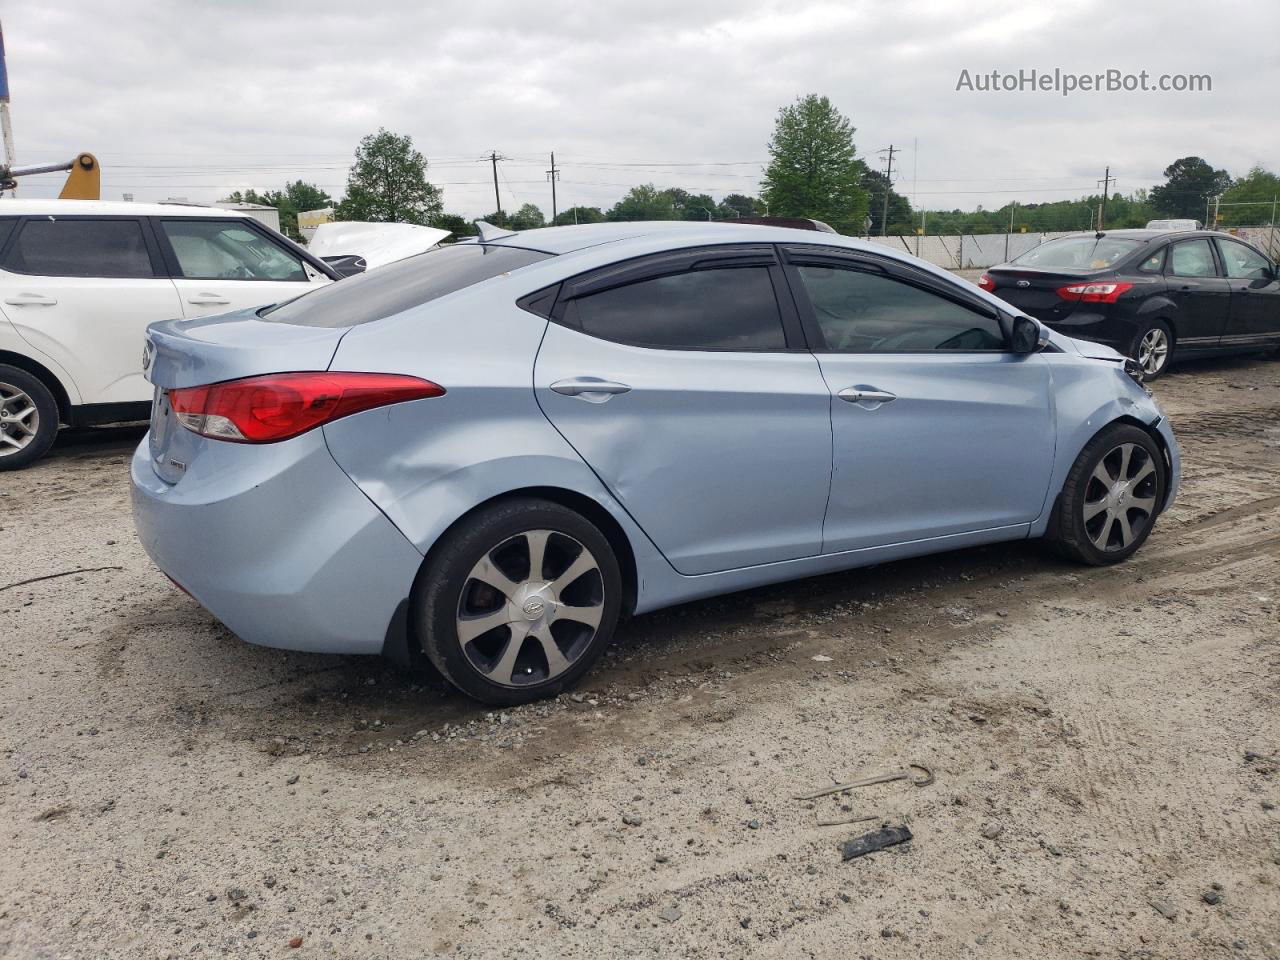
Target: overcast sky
[(195, 99)]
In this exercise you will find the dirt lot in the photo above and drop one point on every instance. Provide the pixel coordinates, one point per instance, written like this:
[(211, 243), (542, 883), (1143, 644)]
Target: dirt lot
[(167, 790)]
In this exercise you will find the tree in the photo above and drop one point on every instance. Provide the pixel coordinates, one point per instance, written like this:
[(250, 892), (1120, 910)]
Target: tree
[(814, 170), (579, 215), (528, 217), (737, 205), (645, 202), (901, 219), (1250, 199), (1189, 182), (693, 206), (293, 199), (457, 225), (388, 183)]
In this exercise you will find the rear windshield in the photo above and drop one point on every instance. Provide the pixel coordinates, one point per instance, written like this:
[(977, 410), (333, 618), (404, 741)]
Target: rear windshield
[(398, 286), (1078, 253)]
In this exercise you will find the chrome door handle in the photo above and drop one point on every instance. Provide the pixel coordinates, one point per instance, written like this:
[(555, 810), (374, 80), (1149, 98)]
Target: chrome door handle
[(208, 300), (592, 389), (866, 395), (30, 300)]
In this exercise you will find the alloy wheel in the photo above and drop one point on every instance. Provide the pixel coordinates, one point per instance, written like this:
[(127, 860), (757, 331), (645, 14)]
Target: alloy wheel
[(1120, 497), (1153, 351), (19, 420), (530, 607)]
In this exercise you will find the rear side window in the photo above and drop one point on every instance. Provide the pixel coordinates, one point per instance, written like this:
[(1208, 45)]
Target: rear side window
[(1192, 258), (863, 312), (1077, 253), (730, 308), (6, 228), (396, 287), (80, 248)]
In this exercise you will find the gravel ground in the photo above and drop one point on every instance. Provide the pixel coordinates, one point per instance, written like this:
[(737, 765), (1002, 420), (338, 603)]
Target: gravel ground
[(1105, 744)]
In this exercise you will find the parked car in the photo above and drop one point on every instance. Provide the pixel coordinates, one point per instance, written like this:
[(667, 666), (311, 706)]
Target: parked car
[(493, 451), (1154, 296), (81, 280), (1174, 225)]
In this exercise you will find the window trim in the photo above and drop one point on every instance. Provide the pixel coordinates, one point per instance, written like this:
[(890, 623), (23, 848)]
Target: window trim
[(1213, 254), (796, 255), (652, 266), (266, 233), (158, 268)]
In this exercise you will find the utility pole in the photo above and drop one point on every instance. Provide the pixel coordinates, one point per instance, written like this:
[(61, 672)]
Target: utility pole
[(888, 185), (1216, 202), (1102, 210), (497, 200), (553, 175), (1012, 207)]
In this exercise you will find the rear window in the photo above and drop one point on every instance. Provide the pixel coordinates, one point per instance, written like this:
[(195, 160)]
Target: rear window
[(1078, 253), (398, 286)]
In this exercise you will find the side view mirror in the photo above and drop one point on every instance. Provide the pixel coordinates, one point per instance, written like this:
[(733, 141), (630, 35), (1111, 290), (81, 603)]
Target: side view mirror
[(1028, 335), (346, 264)]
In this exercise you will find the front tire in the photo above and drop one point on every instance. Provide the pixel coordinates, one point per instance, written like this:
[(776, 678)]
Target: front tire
[(519, 601), (28, 418), (1111, 498), (1153, 348)]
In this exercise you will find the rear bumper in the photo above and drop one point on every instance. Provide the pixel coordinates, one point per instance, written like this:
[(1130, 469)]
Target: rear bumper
[(1087, 324), (277, 543)]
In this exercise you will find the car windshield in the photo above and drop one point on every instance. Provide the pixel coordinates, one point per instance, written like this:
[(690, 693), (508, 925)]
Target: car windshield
[(398, 286), (1077, 253)]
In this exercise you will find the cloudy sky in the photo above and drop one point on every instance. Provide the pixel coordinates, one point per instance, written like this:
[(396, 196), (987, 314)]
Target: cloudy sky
[(190, 99)]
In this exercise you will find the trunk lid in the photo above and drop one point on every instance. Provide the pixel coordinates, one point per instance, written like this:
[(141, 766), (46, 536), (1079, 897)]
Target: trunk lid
[(1035, 291), (192, 353)]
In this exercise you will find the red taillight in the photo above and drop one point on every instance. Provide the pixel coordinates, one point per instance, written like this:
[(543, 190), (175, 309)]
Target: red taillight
[(1094, 292), (283, 405), (986, 283)]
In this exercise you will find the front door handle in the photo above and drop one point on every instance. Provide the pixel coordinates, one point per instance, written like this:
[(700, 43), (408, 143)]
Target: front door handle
[(591, 389), (868, 395), (30, 300), (208, 300)]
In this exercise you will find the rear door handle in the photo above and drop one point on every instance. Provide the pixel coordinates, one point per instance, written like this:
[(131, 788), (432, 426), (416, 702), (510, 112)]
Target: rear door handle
[(30, 300), (208, 300), (861, 394), (591, 389)]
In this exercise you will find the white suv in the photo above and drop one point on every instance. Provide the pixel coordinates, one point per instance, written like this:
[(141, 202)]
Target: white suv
[(80, 280)]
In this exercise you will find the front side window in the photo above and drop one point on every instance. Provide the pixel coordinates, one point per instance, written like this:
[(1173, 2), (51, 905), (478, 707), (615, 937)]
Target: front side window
[(729, 308), (1242, 263), (859, 311), (221, 250), (80, 248), (1192, 258)]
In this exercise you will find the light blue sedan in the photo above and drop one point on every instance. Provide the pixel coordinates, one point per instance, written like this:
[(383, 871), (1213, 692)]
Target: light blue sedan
[(491, 452)]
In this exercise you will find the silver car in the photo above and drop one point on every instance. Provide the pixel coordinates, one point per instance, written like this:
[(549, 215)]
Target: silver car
[(491, 452)]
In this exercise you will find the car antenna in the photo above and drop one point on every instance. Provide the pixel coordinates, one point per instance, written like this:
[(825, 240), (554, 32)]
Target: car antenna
[(1099, 235), (489, 232)]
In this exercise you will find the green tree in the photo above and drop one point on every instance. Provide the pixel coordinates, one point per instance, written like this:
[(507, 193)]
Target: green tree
[(388, 183), (294, 198), (457, 225), (645, 202), (579, 215), (692, 206), (1251, 199), (738, 205), (901, 218), (528, 217), (814, 169), (1189, 182)]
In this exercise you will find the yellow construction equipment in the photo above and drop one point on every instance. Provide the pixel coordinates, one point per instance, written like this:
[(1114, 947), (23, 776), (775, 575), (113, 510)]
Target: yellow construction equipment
[(84, 179)]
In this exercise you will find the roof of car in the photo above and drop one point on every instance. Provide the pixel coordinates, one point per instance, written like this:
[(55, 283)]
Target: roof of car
[(67, 208), (559, 240)]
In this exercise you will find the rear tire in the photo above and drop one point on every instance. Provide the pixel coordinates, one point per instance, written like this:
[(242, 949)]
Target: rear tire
[(1152, 347), (502, 631), (28, 418), (1111, 497)]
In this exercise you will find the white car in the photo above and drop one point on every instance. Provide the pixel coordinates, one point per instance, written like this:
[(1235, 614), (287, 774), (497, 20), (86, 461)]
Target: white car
[(80, 281)]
